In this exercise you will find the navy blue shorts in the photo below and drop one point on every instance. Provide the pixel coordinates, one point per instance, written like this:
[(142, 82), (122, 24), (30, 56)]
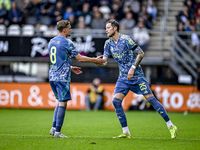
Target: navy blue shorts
[(61, 90), (139, 87)]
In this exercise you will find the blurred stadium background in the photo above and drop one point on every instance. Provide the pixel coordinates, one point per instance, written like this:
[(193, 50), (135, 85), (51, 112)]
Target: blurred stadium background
[(167, 30)]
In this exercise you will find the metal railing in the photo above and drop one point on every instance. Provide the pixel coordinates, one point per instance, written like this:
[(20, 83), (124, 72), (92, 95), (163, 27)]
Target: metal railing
[(184, 54)]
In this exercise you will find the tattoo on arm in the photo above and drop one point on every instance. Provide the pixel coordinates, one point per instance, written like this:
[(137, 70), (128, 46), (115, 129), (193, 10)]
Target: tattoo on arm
[(140, 55)]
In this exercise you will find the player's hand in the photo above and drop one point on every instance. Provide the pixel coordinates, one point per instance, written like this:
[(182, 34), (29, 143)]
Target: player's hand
[(99, 60), (76, 70), (130, 73)]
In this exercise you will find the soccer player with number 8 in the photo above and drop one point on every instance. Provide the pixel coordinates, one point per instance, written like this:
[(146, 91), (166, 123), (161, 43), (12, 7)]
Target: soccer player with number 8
[(61, 50)]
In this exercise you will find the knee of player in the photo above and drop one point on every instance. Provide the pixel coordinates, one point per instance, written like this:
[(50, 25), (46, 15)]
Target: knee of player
[(151, 99), (117, 103)]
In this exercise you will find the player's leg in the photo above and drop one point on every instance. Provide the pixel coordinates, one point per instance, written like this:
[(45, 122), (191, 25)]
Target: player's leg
[(63, 94), (121, 89), (53, 129), (60, 119), (142, 87), (161, 110)]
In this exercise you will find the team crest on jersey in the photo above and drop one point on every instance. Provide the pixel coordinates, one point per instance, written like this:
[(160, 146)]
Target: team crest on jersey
[(130, 41)]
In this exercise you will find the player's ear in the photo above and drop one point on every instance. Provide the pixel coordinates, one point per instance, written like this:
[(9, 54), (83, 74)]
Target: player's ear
[(115, 28)]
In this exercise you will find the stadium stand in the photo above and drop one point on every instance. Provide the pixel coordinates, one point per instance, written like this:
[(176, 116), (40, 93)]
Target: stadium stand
[(14, 29), (28, 30), (161, 57)]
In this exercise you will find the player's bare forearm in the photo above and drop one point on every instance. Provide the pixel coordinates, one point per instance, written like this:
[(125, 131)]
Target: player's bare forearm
[(81, 58), (139, 57)]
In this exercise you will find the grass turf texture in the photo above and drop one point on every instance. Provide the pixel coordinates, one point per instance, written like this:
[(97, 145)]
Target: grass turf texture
[(29, 129)]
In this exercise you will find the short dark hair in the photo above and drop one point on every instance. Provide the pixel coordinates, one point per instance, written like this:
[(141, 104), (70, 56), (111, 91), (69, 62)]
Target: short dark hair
[(114, 23), (62, 24)]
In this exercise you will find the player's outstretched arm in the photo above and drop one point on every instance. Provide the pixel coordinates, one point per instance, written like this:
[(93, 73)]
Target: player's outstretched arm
[(139, 57), (105, 59), (96, 60)]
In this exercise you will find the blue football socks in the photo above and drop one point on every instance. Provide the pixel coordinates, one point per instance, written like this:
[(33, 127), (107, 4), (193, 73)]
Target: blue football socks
[(120, 112), (158, 107), (55, 116), (60, 117)]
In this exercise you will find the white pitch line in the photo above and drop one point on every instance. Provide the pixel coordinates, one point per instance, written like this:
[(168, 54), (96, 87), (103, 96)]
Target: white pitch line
[(21, 135)]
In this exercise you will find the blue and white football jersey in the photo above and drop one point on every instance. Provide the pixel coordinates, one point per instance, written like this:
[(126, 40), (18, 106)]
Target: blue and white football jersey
[(61, 50), (124, 55)]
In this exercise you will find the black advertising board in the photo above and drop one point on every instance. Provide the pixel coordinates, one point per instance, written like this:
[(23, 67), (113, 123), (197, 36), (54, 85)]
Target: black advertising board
[(34, 47)]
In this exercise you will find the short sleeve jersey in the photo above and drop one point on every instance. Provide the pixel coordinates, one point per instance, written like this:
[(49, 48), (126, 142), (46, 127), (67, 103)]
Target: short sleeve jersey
[(124, 53), (61, 50)]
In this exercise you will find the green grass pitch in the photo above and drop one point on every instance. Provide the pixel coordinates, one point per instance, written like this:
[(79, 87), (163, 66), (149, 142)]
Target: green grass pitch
[(93, 130)]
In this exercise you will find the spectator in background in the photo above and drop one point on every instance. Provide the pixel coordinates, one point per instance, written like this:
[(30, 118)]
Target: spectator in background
[(187, 26), (128, 22), (195, 41), (86, 14), (3, 15), (7, 4), (95, 9), (68, 12), (197, 14), (147, 17), (30, 10), (44, 11), (117, 10), (141, 19), (134, 5), (57, 13), (72, 20), (119, 2), (141, 35), (105, 9), (94, 97), (112, 16), (197, 24), (151, 9), (183, 15), (81, 23), (128, 9), (180, 28), (98, 22), (191, 8), (15, 15)]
